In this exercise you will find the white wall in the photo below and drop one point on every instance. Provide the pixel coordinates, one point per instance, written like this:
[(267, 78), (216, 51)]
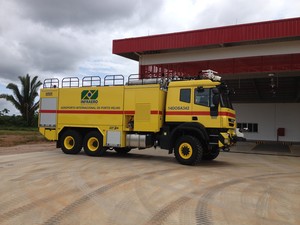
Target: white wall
[(269, 117), (222, 53)]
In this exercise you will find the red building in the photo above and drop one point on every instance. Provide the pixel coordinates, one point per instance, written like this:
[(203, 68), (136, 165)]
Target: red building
[(261, 61)]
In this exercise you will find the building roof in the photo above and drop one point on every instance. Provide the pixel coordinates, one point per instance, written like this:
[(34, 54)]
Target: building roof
[(252, 33)]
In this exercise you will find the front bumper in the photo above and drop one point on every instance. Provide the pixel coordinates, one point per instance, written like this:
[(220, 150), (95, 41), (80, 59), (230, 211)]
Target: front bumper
[(226, 139)]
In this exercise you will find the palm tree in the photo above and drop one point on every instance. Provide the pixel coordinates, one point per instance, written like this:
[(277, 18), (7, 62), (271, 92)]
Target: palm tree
[(24, 99)]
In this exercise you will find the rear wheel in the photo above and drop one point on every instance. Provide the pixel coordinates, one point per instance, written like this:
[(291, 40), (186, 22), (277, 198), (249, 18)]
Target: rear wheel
[(71, 142), (188, 150), (211, 155), (93, 144)]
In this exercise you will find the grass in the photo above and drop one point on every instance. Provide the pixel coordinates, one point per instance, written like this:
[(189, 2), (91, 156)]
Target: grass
[(17, 136), (10, 128), (18, 132)]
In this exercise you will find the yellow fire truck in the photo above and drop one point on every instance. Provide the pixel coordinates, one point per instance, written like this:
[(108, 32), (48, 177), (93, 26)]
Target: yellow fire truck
[(192, 118)]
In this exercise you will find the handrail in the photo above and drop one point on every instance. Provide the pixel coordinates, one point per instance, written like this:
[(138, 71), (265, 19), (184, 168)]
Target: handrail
[(113, 80), (89, 81), (134, 79), (51, 83), (109, 80), (70, 82)]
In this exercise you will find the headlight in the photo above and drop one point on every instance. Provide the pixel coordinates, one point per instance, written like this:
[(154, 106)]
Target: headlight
[(231, 120)]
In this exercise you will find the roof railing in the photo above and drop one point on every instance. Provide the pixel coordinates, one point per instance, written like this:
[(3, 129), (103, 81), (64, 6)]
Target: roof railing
[(118, 80), (70, 82), (51, 83), (113, 80), (91, 81)]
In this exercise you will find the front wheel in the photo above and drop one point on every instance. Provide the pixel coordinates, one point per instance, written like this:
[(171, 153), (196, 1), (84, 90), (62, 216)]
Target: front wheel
[(211, 155), (188, 150), (93, 144)]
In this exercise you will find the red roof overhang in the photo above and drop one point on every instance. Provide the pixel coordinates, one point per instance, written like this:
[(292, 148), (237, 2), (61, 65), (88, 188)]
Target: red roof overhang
[(252, 33)]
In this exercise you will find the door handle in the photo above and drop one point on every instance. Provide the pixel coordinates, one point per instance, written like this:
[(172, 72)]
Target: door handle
[(194, 118)]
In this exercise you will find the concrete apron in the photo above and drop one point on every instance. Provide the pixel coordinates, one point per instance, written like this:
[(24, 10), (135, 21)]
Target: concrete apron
[(267, 148)]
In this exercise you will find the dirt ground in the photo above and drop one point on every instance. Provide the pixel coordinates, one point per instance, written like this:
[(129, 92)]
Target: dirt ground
[(26, 148), (23, 142), (16, 137)]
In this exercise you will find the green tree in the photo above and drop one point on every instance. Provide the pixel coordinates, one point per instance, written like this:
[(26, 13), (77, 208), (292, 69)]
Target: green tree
[(24, 99), (4, 112)]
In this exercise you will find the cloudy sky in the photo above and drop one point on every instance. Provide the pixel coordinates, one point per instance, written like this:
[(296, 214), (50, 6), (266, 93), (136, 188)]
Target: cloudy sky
[(74, 37)]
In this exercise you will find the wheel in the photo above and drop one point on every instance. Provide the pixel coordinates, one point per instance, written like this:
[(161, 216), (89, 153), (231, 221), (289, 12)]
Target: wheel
[(188, 150), (71, 142), (93, 144), (211, 155), (122, 150)]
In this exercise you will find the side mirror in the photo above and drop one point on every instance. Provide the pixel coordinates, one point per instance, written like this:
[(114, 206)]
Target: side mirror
[(214, 108), (215, 91), (216, 100)]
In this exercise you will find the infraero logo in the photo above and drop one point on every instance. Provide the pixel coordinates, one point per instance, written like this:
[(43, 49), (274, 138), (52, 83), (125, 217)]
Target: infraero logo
[(89, 96)]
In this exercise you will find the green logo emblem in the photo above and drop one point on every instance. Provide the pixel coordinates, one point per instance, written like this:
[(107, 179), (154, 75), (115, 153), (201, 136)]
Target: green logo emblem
[(89, 96)]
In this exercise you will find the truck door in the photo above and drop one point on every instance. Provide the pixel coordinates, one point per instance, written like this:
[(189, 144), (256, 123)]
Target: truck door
[(179, 104)]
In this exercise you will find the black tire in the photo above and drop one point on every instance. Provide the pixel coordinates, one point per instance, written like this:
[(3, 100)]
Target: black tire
[(93, 144), (71, 142), (122, 151), (211, 155), (188, 150)]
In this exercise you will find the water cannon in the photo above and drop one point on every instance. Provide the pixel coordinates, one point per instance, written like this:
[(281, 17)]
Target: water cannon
[(210, 74)]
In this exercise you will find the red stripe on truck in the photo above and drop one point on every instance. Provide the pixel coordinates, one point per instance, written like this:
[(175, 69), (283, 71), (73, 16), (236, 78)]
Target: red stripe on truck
[(197, 113), (114, 112)]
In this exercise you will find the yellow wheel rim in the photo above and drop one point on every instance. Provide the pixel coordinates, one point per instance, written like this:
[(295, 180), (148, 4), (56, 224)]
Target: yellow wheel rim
[(69, 142), (93, 144), (185, 150)]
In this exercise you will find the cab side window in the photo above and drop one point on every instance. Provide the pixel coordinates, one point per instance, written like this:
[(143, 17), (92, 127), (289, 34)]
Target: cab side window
[(202, 97), (185, 95)]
